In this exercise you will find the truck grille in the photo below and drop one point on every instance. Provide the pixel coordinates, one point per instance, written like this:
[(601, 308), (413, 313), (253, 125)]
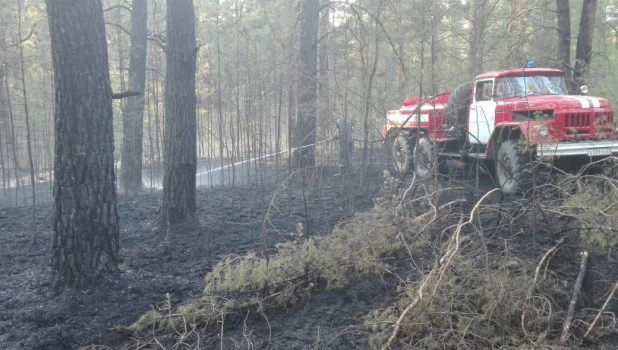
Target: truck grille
[(588, 125), (577, 120)]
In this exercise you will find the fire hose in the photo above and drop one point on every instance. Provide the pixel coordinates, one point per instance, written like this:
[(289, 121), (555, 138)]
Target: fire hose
[(262, 157)]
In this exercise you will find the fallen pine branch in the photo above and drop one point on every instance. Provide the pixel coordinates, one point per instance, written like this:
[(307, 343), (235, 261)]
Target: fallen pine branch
[(403, 315), (426, 215), (537, 272), (544, 259), (596, 319), (576, 289)]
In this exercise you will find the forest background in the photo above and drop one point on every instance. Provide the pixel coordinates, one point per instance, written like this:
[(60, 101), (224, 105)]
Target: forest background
[(371, 54)]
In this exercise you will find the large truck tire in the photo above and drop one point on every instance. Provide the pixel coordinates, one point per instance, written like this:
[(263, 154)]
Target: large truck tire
[(400, 154), (423, 157), (513, 168)]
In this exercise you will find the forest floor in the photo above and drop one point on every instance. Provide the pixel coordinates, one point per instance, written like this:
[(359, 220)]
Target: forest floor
[(156, 266)]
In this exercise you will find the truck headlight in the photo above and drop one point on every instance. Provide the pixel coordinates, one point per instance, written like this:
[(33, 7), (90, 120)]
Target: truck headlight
[(542, 130)]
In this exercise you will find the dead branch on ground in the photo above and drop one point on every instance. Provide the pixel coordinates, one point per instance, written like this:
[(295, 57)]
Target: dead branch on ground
[(596, 319), (543, 261), (576, 289)]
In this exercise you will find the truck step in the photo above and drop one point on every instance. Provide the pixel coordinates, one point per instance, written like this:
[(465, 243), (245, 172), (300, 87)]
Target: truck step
[(477, 155), (458, 155)]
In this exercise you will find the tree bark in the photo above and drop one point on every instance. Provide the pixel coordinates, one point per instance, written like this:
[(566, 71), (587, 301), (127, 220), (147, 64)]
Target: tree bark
[(563, 14), (85, 218), (566, 328), (133, 113), (4, 111), (583, 53), (4, 125), (180, 154), (29, 142), (477, 37), (324, 111), (307, 87)]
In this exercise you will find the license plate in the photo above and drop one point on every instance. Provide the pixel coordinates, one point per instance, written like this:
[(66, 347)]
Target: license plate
[(599, 152)]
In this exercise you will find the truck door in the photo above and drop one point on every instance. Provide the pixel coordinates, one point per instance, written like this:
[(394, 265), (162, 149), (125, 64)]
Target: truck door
[(482, 112)]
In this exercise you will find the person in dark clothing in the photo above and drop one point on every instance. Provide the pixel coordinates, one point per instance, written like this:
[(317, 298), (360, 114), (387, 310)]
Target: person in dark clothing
[(343, 132)]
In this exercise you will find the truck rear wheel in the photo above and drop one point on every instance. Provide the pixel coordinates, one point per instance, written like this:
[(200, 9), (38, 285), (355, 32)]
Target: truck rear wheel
[(401, 153), (423, 157), (513, 168)]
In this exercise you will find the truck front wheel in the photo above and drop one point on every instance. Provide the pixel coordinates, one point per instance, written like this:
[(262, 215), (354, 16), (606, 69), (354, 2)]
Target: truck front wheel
[(513, 168), (401, 155)]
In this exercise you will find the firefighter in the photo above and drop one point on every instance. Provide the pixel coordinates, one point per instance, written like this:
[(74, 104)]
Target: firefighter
[(343, 133)]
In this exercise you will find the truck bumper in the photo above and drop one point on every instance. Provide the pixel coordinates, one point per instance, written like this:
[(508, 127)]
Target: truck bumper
[(583, 148)]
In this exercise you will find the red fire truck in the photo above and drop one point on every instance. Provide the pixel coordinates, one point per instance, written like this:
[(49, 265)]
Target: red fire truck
[(509, 119)]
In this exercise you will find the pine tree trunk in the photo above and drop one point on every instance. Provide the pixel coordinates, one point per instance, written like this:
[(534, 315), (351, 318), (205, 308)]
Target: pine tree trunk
[(307, 87), (180, 155), (325, 115), (583, 53), (563, 14), (133, 114), (4, 125), (85, 218), (4, 111), (477, 38)]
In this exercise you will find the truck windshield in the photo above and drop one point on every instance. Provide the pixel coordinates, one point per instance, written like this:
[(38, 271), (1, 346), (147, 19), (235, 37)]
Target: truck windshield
[(530, 85)]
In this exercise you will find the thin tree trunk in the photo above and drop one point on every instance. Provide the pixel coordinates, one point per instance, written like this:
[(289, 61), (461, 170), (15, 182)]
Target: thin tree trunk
[(219, 96), (4, 113), (435, 55), (3, 123), (369, 89), (6, 125), (477, 36), (158, 134), (325, 115), (151, 138), (28, 136), (307, 87), (13, 142)]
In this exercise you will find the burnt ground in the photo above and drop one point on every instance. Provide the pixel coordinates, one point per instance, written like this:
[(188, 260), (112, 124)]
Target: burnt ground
[(156, 263)]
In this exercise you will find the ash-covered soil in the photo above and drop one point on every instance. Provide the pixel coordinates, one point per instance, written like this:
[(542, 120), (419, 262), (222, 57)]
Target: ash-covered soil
[(234, 220), (160, 266)]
